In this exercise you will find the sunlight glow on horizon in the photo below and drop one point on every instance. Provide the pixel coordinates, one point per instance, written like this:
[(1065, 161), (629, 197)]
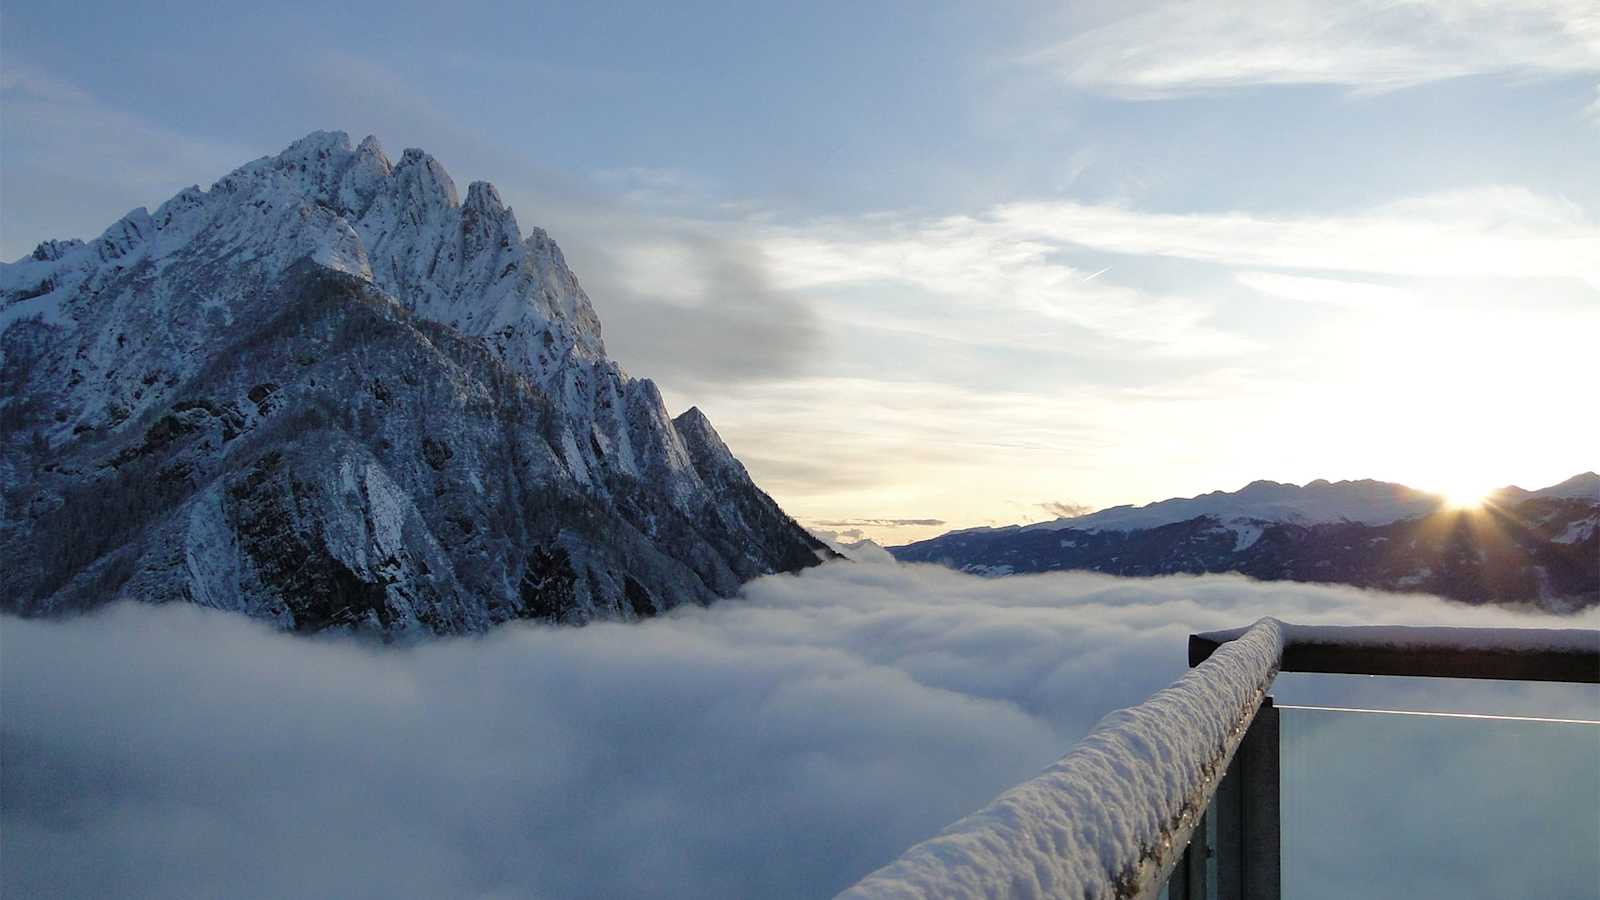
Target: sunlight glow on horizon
[(1465, 497)]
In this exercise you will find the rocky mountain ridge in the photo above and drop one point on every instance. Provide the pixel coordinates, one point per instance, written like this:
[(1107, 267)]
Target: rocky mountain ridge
[(1538, 547), (330, 393)]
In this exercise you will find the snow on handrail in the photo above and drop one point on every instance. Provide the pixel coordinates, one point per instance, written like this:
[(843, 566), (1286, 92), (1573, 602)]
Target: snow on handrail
[(1515, 654), (1111, 818)]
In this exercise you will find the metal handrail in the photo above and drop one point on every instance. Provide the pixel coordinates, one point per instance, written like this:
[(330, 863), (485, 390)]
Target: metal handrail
[(1511, 654)]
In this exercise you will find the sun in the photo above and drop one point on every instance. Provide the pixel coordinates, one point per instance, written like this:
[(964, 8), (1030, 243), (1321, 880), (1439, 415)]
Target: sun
[(1459, 488), (1464, 496)]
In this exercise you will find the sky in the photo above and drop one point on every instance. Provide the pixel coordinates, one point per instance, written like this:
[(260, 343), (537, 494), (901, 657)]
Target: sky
[(781, 745), (929, 266)]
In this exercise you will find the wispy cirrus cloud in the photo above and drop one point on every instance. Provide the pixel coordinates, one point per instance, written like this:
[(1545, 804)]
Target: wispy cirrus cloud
[(1492, 231), (989, 281), (1184, 47), (1011, 276), (1362, 295), (21, 79)]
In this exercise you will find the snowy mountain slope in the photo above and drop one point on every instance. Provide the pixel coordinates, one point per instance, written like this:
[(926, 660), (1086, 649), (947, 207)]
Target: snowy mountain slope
[(1585, 486), (1538, 547), (329, 392), (1569, 511)]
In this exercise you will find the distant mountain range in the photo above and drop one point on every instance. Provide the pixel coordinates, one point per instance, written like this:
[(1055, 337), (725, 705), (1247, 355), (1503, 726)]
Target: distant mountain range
[(1540, 547), (330, 393)]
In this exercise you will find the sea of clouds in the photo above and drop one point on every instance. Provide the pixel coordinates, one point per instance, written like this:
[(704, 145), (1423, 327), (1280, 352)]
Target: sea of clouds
[(781, 744)]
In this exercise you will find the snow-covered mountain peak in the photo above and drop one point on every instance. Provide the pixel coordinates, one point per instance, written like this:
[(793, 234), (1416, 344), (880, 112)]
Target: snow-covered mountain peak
[(426, 180), (50, 251), (697, 428), (155, 291), (1579, 487), (400, 226), (434, 379), (1583, 486), (317, 145), (705, 446), (482, 196), (371, 146), (692, 418)]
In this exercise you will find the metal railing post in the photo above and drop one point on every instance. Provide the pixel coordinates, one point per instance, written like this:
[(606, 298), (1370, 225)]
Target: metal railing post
[(1247, 814), (1260, 816), (1227, 806)]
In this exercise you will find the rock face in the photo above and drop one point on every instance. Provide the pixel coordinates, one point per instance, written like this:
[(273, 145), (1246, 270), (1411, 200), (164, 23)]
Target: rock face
[(329, 393), (1538, 547)]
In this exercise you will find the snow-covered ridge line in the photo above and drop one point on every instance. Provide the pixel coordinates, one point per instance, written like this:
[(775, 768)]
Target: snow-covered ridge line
[(1583, 486), (1317, 502), (401, 226), (1111, 818)]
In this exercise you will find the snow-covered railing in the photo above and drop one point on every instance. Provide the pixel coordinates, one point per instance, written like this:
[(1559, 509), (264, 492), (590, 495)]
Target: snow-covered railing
[(1112, 819)]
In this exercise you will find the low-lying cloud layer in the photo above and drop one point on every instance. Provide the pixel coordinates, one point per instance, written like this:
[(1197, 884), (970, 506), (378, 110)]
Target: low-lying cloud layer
[(779, 745)]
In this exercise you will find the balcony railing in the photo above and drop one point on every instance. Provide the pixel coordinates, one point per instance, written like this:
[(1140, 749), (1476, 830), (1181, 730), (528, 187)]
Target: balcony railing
[(1180, 794)]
